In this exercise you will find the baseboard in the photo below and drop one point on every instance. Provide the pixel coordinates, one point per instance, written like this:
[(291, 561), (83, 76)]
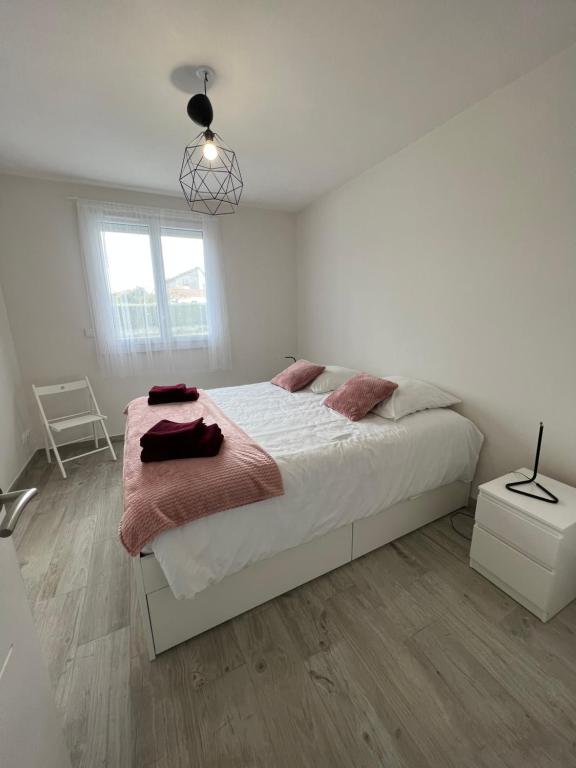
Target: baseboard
[(14, 486)]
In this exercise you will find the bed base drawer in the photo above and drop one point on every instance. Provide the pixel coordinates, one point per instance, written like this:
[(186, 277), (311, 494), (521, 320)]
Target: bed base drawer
[(175, 621), (394, 522), (152, 574), (168, 621)]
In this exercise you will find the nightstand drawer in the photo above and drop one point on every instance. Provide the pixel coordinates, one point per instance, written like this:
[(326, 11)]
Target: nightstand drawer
[(538, 542), (511, 567)]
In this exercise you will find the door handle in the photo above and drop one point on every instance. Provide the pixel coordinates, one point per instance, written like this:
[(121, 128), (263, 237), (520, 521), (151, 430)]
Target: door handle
[(21, 499)]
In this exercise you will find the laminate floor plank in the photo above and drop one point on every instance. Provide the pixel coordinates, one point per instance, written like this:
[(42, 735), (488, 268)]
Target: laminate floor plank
[(486, 704), (37, 545), (205, 658), (26, 518), (164, 715), (405, 658), (229, 724), (550, 702), (382, 647), (137, 636), (306, 619), (300, 730), (361, 710), (58, 621), (108, 500), (107, 602), (471, 586), (382, 585), (68, 568), (553, 646), (98, 720), (442, 532)]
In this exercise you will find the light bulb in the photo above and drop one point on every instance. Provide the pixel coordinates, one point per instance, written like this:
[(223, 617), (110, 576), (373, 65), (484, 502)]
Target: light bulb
[(209, 150)]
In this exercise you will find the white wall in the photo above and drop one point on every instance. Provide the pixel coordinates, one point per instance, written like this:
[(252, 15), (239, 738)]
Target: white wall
[(41, 271), (455, 261), (14, 423)]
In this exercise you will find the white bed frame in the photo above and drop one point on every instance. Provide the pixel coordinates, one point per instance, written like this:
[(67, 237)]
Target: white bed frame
[(168, 622)]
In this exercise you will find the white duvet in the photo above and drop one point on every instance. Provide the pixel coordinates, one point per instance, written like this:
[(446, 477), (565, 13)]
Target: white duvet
[(334, 471)]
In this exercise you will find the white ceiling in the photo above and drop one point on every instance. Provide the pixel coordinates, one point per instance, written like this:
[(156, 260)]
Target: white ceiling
[(308, 92)]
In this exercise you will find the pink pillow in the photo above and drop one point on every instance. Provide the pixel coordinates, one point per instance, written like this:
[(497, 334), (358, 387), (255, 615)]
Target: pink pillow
[(356, 397), (297, 375)]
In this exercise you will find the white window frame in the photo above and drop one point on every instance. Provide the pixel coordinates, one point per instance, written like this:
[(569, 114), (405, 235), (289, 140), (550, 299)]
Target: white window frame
[(151, 226), (129, 358)]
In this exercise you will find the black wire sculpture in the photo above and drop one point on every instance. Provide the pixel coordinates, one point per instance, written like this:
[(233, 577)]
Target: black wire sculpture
[(550, 498), (210, 175)]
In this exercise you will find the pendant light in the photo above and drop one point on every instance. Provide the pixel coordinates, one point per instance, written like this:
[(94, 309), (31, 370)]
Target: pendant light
[(210, 176)]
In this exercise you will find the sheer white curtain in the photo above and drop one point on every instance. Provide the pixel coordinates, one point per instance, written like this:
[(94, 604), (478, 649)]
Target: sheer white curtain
[(156, 287), (219, 354)]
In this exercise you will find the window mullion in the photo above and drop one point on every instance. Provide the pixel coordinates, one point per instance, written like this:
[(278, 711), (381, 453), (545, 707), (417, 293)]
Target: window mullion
[(159, 280)]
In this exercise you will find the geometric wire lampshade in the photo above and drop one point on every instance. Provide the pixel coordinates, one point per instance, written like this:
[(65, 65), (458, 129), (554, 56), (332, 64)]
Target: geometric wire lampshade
[(211, 181), (210, 176)]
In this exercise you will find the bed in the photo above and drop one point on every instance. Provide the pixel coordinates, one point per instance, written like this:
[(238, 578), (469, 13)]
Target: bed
[(349, 488)]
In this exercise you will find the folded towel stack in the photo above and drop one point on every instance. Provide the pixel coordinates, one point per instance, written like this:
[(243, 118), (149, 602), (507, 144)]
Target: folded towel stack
[(172, 393), (169, 440)]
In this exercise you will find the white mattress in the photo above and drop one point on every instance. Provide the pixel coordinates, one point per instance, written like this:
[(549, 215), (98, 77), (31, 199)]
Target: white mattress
[(334, 471)]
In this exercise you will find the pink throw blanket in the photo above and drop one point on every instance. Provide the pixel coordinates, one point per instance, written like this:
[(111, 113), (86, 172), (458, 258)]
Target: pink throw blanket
[(159, 496)]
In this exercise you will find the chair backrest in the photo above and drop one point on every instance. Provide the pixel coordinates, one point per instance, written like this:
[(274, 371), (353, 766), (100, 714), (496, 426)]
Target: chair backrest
[(55, 389), (59, 389)]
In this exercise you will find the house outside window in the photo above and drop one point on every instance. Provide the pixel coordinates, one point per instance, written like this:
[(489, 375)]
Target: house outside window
[(157, 283)]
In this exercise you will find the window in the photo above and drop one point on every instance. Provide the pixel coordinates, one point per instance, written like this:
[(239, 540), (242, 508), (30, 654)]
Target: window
[(155, 283)]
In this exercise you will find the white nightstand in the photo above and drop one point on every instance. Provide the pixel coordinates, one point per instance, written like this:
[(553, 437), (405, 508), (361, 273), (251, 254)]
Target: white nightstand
[(527, 547)]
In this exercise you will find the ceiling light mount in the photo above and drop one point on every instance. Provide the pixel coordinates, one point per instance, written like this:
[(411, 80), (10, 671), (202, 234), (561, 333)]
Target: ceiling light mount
[(210, 176), (206, 75), (199, 107)]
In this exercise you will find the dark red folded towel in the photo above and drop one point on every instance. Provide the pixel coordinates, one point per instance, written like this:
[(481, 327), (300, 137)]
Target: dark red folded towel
[(204, 441), (158, 390), (210, 440), (167, 433), (171, 393)]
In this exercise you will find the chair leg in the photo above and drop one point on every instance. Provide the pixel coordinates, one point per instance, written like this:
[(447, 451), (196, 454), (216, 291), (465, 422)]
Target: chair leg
[(57, 455), (47, 448), (107, 437), (59, 460), (95, 433)]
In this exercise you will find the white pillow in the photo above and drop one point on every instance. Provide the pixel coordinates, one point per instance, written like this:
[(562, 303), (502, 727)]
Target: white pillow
[(413, 395), (332, 378)]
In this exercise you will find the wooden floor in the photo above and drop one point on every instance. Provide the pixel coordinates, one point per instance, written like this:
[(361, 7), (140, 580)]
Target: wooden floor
[(405, 657)]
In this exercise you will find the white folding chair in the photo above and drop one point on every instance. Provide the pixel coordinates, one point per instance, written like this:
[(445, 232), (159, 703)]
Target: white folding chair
[(58, 425)]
